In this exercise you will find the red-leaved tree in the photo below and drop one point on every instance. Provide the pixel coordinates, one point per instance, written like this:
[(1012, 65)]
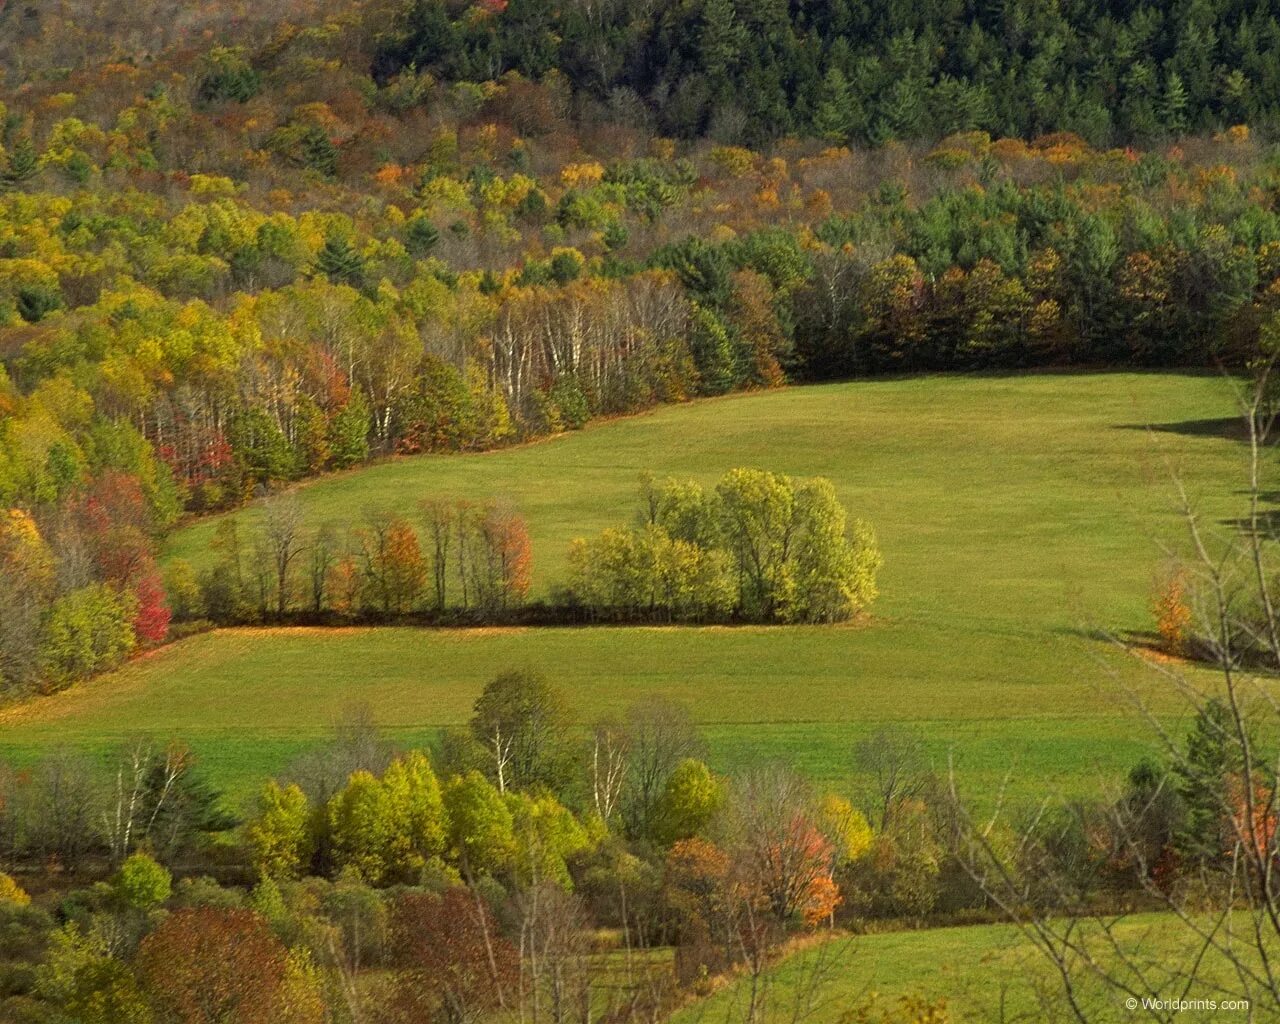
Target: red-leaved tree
[(212, 966), (453, 963)]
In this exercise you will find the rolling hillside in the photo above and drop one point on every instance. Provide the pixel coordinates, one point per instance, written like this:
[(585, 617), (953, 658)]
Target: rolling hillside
[(1018, 515)]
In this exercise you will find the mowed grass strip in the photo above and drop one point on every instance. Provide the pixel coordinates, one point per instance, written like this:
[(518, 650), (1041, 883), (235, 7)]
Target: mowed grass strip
[(1018, 515)]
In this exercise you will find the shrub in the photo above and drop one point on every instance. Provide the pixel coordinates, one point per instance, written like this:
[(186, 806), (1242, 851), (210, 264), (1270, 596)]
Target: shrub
[(11, 893), (142, 883)]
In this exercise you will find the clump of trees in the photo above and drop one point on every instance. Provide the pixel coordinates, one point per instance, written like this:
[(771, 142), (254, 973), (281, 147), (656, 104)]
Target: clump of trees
[(467, 881), (69, 810), (468, 560), (80, 589), (759, 547)]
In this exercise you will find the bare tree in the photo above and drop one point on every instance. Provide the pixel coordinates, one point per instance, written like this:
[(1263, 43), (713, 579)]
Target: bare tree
[(659, 735), (609, 751), (356, 744), (55, 814), (282, 519), (438, 517), (556, 972), (21, 615), (323, 556), (778, 847), (895, 764)]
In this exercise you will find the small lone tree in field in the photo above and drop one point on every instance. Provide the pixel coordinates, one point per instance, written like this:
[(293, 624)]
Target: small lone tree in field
[(521, 719)]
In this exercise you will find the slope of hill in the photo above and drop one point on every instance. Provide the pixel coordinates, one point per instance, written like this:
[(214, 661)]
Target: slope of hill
[(1016, 515)]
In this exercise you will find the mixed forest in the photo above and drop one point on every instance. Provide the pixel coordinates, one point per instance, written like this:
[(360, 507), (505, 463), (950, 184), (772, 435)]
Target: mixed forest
[(246, 245), (233, 260)]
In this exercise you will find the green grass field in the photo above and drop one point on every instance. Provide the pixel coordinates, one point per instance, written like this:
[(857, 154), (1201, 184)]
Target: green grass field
[(1017, 515), (983, 973)]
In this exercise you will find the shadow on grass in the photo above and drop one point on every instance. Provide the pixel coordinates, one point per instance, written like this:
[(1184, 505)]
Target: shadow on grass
[(1226, 428)]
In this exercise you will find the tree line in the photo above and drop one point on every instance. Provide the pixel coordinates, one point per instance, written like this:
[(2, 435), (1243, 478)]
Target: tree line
[(760, 547), (472, 559)]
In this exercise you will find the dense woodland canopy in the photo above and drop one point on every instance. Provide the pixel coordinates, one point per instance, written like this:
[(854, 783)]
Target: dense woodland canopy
[(260, 242), (755, 70), (852, 69)]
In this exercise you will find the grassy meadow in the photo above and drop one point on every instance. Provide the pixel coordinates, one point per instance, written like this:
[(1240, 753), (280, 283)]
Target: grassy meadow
[(981, 973), (1018, 516)]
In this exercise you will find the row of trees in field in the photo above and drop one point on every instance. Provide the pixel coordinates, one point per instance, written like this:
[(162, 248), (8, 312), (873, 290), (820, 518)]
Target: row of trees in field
[(465, 557), (760, 547), (81, 588)]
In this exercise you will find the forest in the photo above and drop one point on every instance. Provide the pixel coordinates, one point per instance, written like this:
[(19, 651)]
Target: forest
[(230, 267), (247, 246), (755, 70)]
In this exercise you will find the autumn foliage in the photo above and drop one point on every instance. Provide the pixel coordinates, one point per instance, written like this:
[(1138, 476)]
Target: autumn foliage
[(1173, 615), (209, 966), (454, 963)]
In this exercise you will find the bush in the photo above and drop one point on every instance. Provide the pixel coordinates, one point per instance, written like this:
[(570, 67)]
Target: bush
[(141, 883), (11, 893)]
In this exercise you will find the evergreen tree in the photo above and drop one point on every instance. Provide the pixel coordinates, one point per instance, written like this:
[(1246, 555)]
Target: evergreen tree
[(833, 118), (421, 236), (319, 153), (349, 432), (1212, 760), (1173, 104), (23, 163), (713, 352), (340, 262), (720, 43)]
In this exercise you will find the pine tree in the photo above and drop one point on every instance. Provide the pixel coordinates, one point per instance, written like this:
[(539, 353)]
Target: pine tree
[(713, 352), (902, 109), (1173, 104), (833, 118), (421, 236), (720, 42), (340, 262), (319, 153), (23, 163), (349, 432), (1214, 755)]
